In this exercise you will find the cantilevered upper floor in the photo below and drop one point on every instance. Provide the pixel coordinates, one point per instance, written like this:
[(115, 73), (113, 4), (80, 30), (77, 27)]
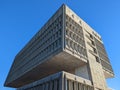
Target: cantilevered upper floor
[(60, 45), (44, 54)]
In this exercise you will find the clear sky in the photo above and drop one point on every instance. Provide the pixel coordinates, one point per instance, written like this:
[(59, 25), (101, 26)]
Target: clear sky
[(21, 19)]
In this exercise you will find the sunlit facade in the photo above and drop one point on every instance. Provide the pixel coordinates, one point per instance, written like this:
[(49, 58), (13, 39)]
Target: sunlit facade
[(65, 54)]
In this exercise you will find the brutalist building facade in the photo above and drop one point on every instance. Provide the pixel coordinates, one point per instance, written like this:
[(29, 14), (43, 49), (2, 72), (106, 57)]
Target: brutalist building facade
[(66, 54)]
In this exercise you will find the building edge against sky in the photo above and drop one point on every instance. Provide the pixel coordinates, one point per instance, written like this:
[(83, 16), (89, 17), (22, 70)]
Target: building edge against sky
[(64, 43)]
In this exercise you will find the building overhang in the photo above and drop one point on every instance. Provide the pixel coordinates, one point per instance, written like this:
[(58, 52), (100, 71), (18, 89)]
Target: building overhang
[(107, 73), (60, 62)]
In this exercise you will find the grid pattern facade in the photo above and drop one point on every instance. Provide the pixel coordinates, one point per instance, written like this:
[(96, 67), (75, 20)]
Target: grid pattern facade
[(74, 38), (56, 82), (50, 85), (65, 42), (91, 43), (103, 56), (45, 43), (55, 85), (99, 51)]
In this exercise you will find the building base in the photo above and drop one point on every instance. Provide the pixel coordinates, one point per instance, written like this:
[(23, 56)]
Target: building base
[(60, 81)]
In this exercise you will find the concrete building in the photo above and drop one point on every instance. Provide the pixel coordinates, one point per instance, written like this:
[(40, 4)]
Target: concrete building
[(65, 45)]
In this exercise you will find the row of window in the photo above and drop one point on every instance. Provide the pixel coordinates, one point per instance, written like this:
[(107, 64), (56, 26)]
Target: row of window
[(91, 38), (39, 44), (52, 37), (42, 42), (95, 55), (101, 51), (106, 65), (97, 35), (76, 28), (52, 85), (50, 31), (42, 39), (104, 57), (46, 38), (36, 57), (78, 31), (69, 19), (92, 44), (44, 32), (76, 47), (75, 37), (98, 43), (55, 45)]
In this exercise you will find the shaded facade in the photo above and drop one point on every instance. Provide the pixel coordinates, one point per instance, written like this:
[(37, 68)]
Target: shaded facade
[(64, 43), (60, 81)]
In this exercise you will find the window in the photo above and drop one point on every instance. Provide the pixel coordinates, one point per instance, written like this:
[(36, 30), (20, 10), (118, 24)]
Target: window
[(79, 40), (66, 23), (67, 32), (56, 34), (59, 41), (60, 24), (72, 15), (70, 26), (97, 59), (84, 52), (53, 37), (67, 17), (59, 32), (79, 49), (76, 47), (68, 43), (83, 43), (70, 34), (71, 44), (74, 36), (73, 28), (91, 36), (95, 51), (76, 30), (93, 43), (70, 19)]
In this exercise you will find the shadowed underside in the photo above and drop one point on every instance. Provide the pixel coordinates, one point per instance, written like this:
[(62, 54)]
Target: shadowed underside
[(61, 62)]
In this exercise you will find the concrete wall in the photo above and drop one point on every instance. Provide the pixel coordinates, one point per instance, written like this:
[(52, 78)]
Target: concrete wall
[(60, 81), (67, 43), (82, 72)]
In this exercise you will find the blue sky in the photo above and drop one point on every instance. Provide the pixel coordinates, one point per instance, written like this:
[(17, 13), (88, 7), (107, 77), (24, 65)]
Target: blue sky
[(21, 19)]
